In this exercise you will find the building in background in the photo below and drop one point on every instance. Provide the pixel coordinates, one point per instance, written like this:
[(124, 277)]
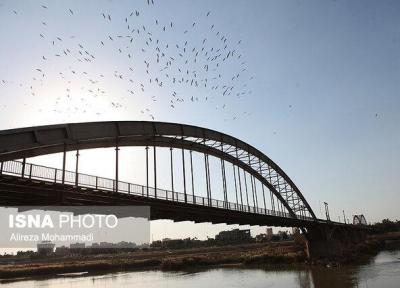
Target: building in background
[(270, 233), (233, 236), (45, 247), (77, 245)]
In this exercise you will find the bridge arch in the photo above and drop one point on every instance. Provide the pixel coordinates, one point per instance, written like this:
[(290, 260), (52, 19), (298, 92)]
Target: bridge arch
[(42, 140), (359, 220)]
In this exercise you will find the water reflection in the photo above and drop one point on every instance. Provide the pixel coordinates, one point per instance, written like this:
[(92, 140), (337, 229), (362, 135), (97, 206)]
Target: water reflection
[(304, 279), (382, 271), (333, 278)]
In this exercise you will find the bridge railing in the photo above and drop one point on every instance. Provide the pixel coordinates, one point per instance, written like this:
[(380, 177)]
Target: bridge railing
[(49, 174)]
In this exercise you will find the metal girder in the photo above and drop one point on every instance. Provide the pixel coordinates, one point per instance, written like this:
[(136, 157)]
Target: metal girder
[(35, 141)]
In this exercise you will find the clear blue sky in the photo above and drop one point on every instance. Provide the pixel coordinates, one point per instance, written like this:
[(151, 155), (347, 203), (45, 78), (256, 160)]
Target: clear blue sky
[(320, 93)]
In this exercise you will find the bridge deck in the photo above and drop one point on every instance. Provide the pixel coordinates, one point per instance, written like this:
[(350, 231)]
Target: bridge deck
[(29, 184)]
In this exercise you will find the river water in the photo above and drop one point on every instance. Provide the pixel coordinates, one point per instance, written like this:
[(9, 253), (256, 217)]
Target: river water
[(382, 271)]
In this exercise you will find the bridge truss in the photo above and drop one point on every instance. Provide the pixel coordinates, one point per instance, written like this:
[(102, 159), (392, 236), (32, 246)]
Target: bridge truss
[(285, 198)]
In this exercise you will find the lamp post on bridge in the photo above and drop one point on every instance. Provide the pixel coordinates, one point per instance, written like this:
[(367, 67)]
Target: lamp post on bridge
[(77, 168), (327, 211), (116, 165)]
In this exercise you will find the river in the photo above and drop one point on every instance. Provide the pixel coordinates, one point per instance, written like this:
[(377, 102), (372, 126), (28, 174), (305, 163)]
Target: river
[(382, 271)]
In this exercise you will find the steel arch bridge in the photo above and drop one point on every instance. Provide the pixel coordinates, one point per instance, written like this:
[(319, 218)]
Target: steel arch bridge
[(286, 199), (359, 220)]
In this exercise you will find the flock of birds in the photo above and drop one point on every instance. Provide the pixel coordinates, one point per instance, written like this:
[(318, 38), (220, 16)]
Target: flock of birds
[(155, 61)]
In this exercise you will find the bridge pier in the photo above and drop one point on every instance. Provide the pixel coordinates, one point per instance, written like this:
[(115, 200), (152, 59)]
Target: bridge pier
[(333, 241)]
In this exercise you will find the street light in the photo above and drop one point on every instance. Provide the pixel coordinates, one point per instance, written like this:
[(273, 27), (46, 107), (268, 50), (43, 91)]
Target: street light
[(327, 211)]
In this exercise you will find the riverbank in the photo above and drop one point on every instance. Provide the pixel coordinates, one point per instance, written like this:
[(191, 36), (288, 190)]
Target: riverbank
[(381, 270), (358, 253), (280, 252), (272, 253)]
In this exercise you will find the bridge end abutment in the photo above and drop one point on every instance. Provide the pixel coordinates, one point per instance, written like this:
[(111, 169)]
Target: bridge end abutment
[(333, 242)]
